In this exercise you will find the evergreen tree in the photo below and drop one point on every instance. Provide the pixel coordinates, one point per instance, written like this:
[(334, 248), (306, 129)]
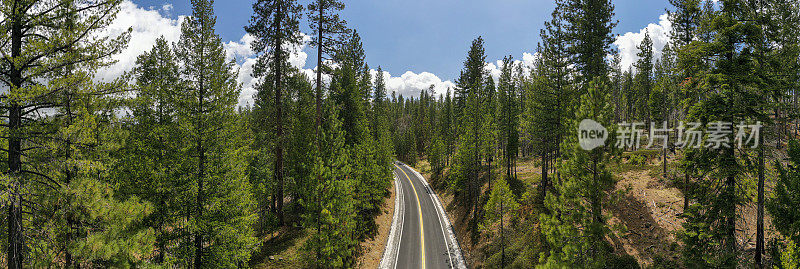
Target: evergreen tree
[(550, 98), (275, 25), (333, 244), (302, 141), (589, 27), (684, 21), (151, 156), (644, 79), (508, 116), (54, 192), (380, 117), (328, 32), (222, 216), (501, 203), (346, 90), (782, 207), (575, 227), (728, 95), (472, 103)]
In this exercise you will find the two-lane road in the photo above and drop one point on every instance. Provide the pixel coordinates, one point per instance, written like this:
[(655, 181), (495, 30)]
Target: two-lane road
[(423, 237)]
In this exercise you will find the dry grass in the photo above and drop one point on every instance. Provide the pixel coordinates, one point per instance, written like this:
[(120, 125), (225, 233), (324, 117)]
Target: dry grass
[(647, 214), (285, 245)]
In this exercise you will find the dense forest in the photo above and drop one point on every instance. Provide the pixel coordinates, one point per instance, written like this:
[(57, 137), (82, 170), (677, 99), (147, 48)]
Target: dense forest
[(727, 61), (161, 168)]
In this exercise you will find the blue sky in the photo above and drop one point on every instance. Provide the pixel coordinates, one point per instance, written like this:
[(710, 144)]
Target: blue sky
[(431, 36)]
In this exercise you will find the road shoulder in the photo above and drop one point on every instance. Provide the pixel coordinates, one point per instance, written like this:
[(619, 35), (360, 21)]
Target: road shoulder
[(392, 239)]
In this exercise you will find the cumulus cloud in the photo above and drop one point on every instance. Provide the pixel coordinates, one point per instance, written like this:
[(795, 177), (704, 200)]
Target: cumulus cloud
[(409, 84), (147, 25), (627, 42), (245, 57), (495, 68)]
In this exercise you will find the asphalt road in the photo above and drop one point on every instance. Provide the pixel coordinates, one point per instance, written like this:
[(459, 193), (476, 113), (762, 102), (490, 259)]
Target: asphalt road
[(425, 238)]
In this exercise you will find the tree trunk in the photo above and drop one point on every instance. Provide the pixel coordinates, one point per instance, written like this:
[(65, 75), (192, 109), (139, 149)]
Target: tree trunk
[(15, 255), (545, 169), (686, 191), (760, 213), (318, 93), (502, 239), (201, 166), (730, 210), (279, 114)]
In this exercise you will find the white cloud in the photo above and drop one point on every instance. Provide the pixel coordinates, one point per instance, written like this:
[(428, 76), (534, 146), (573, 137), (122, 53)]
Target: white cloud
[(149, 23), (245, 57), (627, 42), (239, 50), (147, 26), (495, 69), (410, 84)]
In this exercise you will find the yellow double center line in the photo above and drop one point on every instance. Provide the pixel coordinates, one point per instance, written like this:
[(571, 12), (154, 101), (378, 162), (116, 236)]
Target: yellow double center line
[(419, 209)]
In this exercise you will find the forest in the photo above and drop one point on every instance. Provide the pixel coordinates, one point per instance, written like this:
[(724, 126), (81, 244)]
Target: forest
[(160, 168)]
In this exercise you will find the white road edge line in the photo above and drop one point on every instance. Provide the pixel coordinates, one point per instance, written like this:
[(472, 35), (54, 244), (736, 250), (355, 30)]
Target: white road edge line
[(389, 258), (441, 214)]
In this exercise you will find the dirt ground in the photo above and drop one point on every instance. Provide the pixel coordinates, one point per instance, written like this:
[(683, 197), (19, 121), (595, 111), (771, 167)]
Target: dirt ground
[(651, 210), (285, 244), (646, 218)]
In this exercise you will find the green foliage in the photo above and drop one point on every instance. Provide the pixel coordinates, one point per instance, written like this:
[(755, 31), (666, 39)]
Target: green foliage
[(501, 202), (437, 155), (575, 227), (637, 159), (790, 258), (60, 208), (720, 91), (475, 99), (644, 80), (589, 26), (783, 206), (508, 115), (152, 155), (222, 216), (332, 214)]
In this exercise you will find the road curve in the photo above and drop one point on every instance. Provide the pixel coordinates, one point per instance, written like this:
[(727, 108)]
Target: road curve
[(421, 235)]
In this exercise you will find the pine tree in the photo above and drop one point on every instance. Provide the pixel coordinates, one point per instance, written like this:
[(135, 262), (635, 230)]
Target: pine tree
[(644, 79), (782, 207), (150, 159), (437, 155), (575, 228), (346, 90), (81, 215), (550, 98), (380, 117), (50, 51), (221, 219), (448, 126), (328, 32), (275, 25), (302, 140), (589, 27), (508, 116), (501, 203), (684, 21), (333, 244), (728, 96), (472, 106)]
